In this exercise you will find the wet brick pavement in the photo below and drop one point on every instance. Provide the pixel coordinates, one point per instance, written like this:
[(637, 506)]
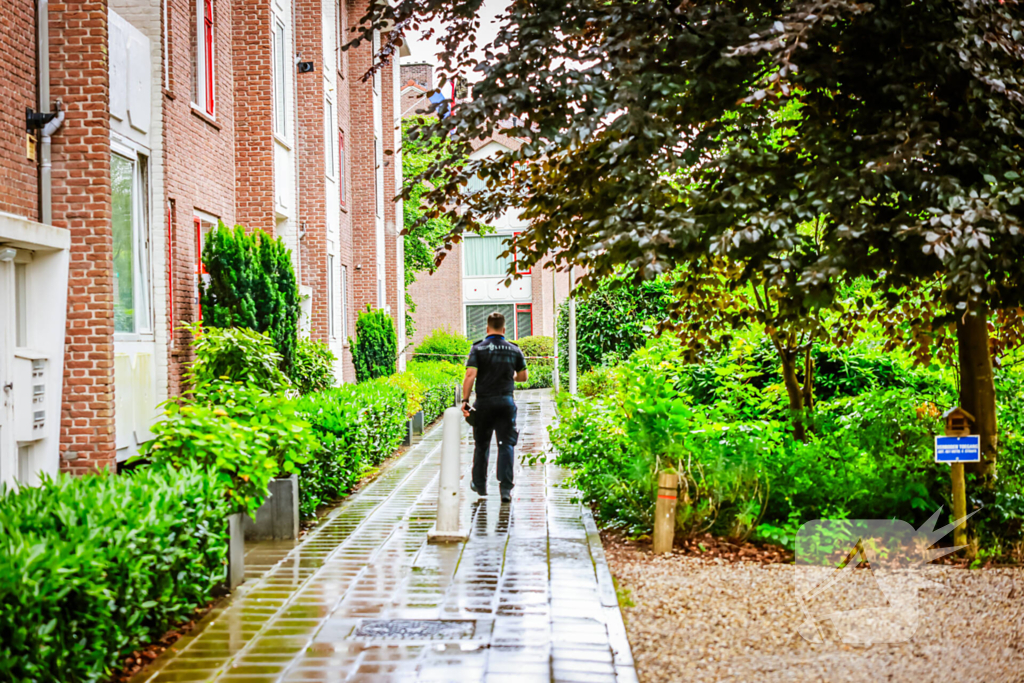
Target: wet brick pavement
[(365, 598)]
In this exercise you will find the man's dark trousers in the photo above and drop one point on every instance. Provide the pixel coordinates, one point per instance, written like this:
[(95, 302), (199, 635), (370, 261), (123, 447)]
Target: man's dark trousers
[(495, 415)]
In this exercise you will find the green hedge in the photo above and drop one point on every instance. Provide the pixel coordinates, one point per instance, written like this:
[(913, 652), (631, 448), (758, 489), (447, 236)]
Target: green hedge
[(358, 426), (92, 567), (439, 379), (443, 344), (540, 371), (375, 348)]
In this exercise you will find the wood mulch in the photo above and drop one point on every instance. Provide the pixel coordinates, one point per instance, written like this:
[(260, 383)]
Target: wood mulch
[(705, 546)]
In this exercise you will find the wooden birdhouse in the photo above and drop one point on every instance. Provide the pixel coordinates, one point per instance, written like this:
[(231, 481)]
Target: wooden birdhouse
[(958, 422)]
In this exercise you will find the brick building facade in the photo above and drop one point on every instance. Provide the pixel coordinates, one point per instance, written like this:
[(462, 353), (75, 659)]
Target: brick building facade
[(178, 114)]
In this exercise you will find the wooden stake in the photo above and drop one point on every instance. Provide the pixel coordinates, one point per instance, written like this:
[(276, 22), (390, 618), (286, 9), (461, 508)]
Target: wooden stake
[(956, 471), (665, 512)]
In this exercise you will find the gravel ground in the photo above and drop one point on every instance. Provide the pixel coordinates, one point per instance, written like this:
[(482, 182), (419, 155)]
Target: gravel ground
[(694, 619)]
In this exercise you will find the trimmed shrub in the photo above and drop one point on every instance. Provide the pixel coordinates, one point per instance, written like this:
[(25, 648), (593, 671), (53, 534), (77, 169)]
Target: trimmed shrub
[(313, 369), (251, 284), (413, 390), (443, 345), (245, 434), (540, 371), (375, 348), (93, 566), (237, 354), (358, 426), (438, 380)]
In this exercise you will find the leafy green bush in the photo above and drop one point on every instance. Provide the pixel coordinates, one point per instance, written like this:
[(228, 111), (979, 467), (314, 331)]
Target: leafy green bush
[(238, 354), (612, 321), (443, 345), (251, 284), (540, 370), (358, 426), (93, 566), (439, 380), (375, 348), (412, 388), (313, 369), (595, 382), (245, 434)]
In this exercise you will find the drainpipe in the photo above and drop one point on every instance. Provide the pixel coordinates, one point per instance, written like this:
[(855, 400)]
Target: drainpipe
[(43, 90)]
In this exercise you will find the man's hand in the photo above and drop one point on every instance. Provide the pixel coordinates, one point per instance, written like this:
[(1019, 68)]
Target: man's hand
[(465, 409)]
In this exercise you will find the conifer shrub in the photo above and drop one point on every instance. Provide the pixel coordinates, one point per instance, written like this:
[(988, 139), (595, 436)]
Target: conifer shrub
[(375, 348)]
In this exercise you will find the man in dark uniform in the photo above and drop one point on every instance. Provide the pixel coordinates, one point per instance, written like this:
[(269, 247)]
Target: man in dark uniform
[(495, 364)]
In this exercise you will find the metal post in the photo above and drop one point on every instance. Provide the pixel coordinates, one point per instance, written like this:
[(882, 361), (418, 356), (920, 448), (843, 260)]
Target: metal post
[(572, 334), (554, 326), (446, 529)]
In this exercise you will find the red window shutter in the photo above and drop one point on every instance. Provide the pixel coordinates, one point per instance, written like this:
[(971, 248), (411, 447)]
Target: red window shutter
[(199, 268), (208, 39)]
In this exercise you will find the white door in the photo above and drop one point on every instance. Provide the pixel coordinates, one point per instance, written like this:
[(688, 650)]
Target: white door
[(8, 323)]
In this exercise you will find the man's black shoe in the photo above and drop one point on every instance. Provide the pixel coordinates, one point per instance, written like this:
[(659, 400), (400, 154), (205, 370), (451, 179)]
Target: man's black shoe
[(506, 496), (472, 486)]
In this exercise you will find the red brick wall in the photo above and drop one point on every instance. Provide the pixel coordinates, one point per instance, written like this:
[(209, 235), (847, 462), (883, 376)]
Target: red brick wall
[(81, 203), (346, 246), (254, 132), (199, 170), (312, 198), (362, 209), (18, 175), (438, 298)]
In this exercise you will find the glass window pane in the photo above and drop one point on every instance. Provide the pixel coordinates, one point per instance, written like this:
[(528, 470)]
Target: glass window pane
[(476, 319), (341, 165), (344, 302), (483, 256), (330, 293), (121, 181), (524, 321), (20, 304), (143, 318), (330, 138), (280, 71)]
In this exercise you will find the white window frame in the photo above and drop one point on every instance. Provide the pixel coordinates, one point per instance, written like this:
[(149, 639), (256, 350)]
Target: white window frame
[(378, 172), (331, 159), (344, 303), (331, 303), (279, 76), (206, 92), (142, 289)]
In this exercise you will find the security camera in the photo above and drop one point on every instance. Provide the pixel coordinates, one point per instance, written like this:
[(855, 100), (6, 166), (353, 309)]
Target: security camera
[(305, 67)]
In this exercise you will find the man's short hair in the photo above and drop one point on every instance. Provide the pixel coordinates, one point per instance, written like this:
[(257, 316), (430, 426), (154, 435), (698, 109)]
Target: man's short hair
[(496, 321)]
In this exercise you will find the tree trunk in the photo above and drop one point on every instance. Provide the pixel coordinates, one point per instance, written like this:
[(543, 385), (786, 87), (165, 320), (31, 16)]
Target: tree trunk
[(795, 392), (977, 386)]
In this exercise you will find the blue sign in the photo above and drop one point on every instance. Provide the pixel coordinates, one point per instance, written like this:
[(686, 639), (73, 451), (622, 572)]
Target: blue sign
[(958, 448)]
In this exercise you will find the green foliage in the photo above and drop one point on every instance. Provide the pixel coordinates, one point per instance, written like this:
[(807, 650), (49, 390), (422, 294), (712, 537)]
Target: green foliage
[(251, 284), (313, 369), (423, 235), (238, 354), (612, 321), (92, 567), (540, 371), (375, 349), (358, 426), (443, 345), (439, 380), (599, 381), (245, 434)]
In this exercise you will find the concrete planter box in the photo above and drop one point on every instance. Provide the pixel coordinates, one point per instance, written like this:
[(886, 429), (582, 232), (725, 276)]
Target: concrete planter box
[(278, 517), (408, 433), (417, 423), (236, 551)]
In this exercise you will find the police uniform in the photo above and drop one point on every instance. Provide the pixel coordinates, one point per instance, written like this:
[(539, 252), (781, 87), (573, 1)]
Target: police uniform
[(496, 360)]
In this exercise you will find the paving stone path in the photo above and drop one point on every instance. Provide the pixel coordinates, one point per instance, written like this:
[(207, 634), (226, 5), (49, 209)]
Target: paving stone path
[(365, 598)]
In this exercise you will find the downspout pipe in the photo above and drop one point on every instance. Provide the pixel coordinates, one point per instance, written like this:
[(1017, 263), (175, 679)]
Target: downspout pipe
[(43, 91)]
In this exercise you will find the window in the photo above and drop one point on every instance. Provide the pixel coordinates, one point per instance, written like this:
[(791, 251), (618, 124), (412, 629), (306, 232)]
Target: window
[(131, 245), (376, 72), (518, 319), (482, 256), (20, 304), (330, 296), (378, 172), (515, 257), (330, 160), (524, 320), (165, 37), (339, 33), (341, 165), (280, 67), (202, 52), (344, 302), (203, 226)]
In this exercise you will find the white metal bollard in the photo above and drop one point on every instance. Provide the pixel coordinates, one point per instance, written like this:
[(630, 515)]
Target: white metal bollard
[(446, 529)]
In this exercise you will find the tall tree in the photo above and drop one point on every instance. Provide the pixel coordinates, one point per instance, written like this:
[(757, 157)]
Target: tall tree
[(647, 125)]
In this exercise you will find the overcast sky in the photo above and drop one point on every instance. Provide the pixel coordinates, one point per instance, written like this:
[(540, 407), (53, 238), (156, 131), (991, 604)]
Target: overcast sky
[(426, 50)]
